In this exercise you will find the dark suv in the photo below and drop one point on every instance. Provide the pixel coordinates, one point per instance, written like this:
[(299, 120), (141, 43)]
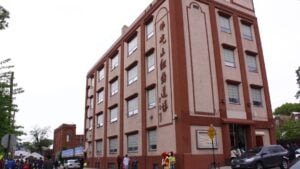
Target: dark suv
[(262, 157)]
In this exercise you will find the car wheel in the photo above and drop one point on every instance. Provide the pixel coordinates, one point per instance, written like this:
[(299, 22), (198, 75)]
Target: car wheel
[(284, 164), (259, 166)]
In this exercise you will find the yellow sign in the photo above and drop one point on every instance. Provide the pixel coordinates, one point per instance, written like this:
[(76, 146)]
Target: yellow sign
[(211, 132)]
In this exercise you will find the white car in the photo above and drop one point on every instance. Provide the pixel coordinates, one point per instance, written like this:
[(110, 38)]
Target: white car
[(297, 152), (74, 163)]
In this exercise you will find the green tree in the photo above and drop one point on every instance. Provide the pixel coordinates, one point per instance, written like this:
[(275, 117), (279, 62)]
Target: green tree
[(298, 82), (4, 15), (290, 130), (287, 109), (7, 107), (40, 139)]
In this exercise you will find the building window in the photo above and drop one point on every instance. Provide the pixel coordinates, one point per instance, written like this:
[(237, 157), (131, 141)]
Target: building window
[(132, 106), (114, 62), (132, 142), (111, 165), (151, 99), (247, 32), (152, 140), (252, 63), (113, 114), (132, 75), (256, 97), (114, 87), (100, 96), (225, 23), (150, 62), (90, 147), (113, 145), (233, 94), (100, 120), (132, 45), (229, 57), (99, 145), (67, 138), (92, 81), (149, 29), (90, 123), (101, 74)]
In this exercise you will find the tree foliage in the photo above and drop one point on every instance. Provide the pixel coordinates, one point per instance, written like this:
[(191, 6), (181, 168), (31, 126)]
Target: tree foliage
[(290, 130), (4, 15), (7, 107), (287, 109), (40, 139)]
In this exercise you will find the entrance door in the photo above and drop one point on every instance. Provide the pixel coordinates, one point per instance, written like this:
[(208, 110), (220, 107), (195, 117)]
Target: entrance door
[(238, 136), (259, 141)]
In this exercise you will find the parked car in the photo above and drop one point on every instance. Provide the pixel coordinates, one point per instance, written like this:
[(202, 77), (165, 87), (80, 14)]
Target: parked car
[(295, 164), (73, 163), (262, 157), (297, 152)]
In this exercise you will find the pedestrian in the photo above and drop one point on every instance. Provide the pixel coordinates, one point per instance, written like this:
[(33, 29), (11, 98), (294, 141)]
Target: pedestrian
[(119, 161), (172, 160), (126, 161), (292, 153), (26, 165), (165, 160), (10, 164), (134, 163), (48, 164)]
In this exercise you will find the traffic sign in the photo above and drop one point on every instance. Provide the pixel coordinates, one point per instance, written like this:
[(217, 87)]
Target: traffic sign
[(11, 138), (211, 132)]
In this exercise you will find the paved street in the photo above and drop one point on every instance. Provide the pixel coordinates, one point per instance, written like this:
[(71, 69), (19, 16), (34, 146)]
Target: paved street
[(228, 167)]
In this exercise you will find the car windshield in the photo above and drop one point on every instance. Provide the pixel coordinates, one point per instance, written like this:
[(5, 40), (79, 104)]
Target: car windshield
[(253, 151)]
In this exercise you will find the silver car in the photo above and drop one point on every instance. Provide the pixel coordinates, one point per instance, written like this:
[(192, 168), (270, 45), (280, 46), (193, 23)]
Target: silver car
[(262, 157), (74, 163)]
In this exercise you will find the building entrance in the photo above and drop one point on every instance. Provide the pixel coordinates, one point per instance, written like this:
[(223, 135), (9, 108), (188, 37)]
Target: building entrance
[(238, 136)]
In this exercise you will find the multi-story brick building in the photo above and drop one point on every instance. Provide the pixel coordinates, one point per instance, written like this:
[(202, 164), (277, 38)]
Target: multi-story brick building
[(65, 137), (180, 67)]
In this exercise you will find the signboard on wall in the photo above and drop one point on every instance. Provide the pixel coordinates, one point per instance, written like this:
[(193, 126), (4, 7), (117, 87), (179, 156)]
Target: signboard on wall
[(204, 141)]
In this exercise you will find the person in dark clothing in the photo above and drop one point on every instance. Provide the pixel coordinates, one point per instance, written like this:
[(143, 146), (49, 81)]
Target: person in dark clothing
[(292, 153), (134, 163), (48, 164), (119, 161)]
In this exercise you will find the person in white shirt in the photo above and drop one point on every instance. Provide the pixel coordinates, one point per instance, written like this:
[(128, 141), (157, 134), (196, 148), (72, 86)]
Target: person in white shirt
[(126, 161)]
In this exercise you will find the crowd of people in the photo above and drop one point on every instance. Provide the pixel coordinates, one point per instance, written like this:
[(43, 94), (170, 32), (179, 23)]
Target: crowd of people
[(168, 160), (124, 162), (30, 163)]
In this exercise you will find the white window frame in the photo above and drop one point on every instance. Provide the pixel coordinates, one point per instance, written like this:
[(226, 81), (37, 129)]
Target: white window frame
[(90, 123), (252, 63), (113, 145), (229, 57), (257, 100), (132, 75), (132, 142), (113, 114), (101, 74), (114, 87), (132, 106), (68, 138), (100, 121), (233, 93), (151, 98), (114, 62), (225, 24), (149, 29), (99, 147), (152, 140), (150, 66), (100, 96), (132, 45), (247, 31)]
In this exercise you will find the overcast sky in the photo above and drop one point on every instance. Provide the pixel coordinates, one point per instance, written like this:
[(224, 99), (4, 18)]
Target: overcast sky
[(53, 44)]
